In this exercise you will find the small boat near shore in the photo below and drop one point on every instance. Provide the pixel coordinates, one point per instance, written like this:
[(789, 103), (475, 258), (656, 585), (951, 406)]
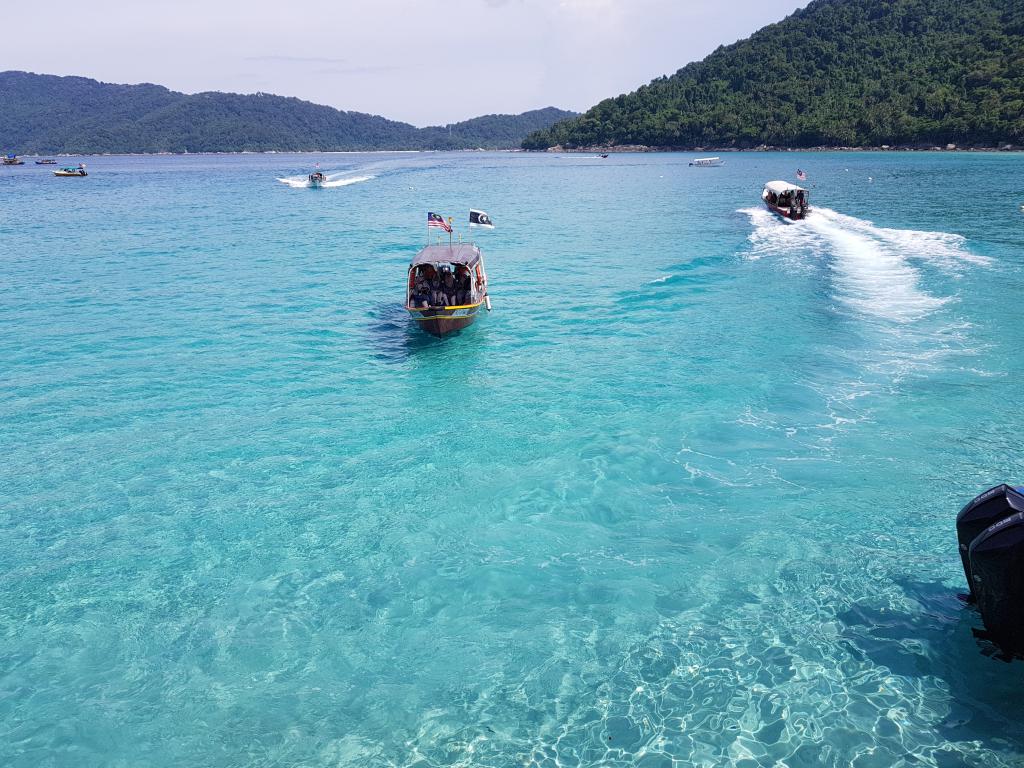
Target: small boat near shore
[(786, 199), (72, 171), (46, 161), (707, 162), (446, 288), (12, 160)]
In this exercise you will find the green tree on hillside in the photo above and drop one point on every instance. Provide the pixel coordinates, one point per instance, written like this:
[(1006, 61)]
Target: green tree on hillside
[(838, 73)]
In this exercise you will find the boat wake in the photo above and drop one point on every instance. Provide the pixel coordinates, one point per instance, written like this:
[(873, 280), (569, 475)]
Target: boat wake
[(873, 267), (333, 180)]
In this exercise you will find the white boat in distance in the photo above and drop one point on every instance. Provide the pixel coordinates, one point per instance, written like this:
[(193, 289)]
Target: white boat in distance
[(707, 162)]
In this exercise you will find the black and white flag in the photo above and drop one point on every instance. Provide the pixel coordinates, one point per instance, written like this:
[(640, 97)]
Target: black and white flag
[(480, 219)]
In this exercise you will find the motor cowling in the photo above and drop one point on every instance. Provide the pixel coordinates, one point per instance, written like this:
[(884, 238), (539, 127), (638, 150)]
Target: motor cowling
[(997, 580), (986, 509)]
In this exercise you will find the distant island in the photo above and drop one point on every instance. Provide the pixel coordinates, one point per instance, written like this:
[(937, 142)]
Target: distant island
[(77, 115), (839, 73)]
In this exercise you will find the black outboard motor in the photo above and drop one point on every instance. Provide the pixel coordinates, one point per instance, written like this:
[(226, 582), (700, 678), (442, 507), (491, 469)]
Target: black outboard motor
[(990, 532), (984, 510), (997, 570)]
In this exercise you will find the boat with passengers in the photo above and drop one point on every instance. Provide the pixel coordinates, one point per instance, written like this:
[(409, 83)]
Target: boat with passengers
[(317, 179), (72, 171), (446, 288), (707, 162), (786, 199), (12, 160)]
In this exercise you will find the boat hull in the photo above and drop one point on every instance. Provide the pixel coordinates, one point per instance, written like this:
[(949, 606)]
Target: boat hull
[(787, 213), (69, 175), (440, 321)]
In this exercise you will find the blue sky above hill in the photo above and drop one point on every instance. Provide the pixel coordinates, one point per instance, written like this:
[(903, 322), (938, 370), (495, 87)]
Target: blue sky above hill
[(426, 63)]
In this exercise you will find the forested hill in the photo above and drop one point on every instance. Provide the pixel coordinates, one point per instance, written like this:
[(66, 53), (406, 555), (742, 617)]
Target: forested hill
[(48, 114), (837, 73)]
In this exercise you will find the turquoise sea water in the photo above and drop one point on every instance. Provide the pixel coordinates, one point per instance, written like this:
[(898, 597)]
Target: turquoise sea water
[(686, 497)]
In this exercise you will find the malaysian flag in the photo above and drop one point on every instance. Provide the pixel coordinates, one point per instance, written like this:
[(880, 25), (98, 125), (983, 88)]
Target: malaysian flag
[(437, 220), (800, 175)]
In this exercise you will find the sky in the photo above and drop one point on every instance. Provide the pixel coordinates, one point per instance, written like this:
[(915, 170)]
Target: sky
[(423, 62)]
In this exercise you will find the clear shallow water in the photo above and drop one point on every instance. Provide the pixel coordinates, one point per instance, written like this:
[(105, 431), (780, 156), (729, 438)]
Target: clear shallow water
[(686, 495)]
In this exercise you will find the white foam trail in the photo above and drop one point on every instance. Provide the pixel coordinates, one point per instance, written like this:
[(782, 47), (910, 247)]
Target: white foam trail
[(333, 180), (943, 248), (332, 183), (873, 274), (775, 236), (873, 277)]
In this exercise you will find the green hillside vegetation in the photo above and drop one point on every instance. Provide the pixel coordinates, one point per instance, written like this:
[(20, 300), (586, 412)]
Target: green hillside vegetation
[(838, 73), (48, 114)]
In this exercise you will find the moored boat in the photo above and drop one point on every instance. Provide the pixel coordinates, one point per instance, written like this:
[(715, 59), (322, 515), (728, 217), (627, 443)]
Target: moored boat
[(72, 171), (446, 288), (786, 199), (12, 160), (46, 161), (707, 162)]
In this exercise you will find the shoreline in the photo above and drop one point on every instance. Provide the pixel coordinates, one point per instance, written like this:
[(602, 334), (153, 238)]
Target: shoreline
[(267, 152), (639, 148), (621, 149)]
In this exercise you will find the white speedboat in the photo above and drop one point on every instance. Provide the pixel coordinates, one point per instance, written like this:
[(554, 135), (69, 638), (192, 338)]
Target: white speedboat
[(707, 162), (317, 179), (72, 171)]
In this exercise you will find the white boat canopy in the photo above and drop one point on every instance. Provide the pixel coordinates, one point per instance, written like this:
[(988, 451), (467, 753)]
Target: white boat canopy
[(781, 187)]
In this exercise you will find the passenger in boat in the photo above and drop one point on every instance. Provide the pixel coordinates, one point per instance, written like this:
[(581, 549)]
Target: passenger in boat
[(465, 294), (420, 296), (428, 280), (449, 289), (436, 292)]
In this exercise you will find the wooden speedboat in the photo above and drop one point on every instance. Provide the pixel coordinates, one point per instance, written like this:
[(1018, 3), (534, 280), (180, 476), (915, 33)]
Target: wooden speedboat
[(446, 288), (71, 171), (787, 200), (707, 162)]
